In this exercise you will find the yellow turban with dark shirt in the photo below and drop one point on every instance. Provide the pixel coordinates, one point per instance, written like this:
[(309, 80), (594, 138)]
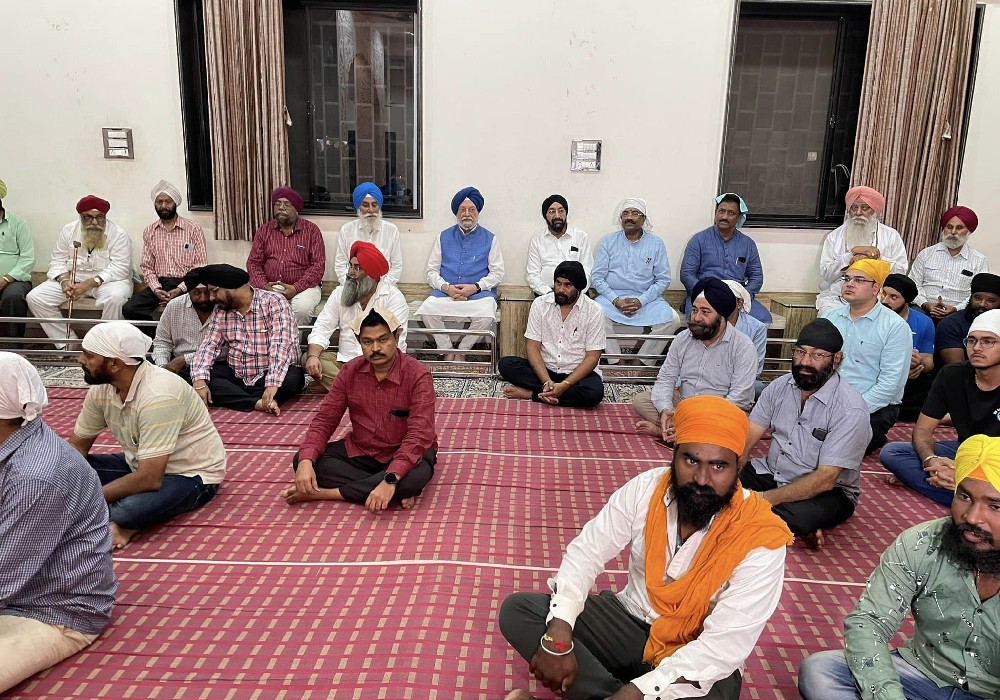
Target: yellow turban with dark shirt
[(711, 420), (978, 458), (878, 270)]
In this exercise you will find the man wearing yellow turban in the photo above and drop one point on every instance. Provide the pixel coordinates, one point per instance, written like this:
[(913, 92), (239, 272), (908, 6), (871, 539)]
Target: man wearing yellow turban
[(706, 568), (948, 572), (877, 345)]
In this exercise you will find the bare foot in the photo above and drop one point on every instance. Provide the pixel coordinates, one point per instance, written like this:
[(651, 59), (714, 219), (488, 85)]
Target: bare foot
[(814, 540), (293, 495), (120, 537), (408, 503), (519, 695), (891, 480), (259, 406), (645, 427), (516, 392)]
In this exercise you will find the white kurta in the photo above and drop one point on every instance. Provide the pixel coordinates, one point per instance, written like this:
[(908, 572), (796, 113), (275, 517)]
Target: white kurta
[(337, 316), (386, 240), (835, 257)]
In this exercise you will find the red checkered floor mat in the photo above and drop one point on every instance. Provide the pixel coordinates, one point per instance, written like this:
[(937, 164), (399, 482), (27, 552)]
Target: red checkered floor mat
[(251, 598)]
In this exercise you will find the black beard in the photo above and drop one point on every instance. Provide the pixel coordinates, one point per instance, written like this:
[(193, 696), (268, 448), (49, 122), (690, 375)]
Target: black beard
[(704, 331), (964, 555), (166, 214), (564, 300), (814, 379), (204, 305), (94, 379), (697, 505), (557, 226), (972, 311)]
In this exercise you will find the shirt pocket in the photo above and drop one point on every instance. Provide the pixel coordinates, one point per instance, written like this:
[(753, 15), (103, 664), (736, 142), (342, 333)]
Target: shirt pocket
[(8, 244), (395, 425)]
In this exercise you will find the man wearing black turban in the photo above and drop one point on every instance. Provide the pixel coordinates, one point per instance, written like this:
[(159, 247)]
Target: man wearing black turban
[(558, 242), (898, 293), (951, 331)]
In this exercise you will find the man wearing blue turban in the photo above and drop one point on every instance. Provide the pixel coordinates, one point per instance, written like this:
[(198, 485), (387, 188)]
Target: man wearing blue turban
[(371, 228), (464, 268)]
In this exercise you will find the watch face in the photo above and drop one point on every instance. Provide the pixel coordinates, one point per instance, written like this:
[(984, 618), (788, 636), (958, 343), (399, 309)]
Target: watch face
[(391, 478)]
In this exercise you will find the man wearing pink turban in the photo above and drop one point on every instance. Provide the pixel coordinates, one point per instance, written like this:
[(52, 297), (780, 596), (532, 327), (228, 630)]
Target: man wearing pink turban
[(861, 236), (943, 272)]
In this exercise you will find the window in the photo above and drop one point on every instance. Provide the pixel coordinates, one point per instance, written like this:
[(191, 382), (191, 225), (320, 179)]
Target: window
[(794, 94), (352, 92)]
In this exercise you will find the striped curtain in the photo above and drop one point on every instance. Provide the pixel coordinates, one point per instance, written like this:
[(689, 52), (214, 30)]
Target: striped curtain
[(245, 57), (912, 108)]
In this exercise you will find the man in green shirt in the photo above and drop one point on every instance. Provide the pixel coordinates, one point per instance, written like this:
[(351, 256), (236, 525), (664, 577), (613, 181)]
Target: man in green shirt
[(17, 260), (947, 572)]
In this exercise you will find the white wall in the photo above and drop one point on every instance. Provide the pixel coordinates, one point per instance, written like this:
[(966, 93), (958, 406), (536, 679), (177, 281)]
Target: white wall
[(506, 87)]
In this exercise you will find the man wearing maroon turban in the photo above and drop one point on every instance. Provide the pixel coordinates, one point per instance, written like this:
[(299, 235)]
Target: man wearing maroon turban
[(861, 236), (104, 268), (943, 272), (367, 284)]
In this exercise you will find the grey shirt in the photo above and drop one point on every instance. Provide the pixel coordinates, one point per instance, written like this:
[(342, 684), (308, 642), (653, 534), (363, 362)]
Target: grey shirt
[(726, 368), (832, 429)]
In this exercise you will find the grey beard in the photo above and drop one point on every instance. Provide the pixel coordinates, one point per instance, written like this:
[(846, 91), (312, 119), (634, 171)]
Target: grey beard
[(355, 290), (860, 233), (953, 242), (370, 225), (94, 239)]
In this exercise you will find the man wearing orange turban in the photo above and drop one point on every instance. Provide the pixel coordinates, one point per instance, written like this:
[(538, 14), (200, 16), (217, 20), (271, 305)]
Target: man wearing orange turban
[(366, 286), (706, 567), (948, 572), (861, 236)]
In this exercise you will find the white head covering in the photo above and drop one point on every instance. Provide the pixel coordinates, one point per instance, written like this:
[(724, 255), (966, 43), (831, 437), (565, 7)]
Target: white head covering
[(164, 187), (987, 321), (119, 340), (633, 203), (741, 293), (22, 394)]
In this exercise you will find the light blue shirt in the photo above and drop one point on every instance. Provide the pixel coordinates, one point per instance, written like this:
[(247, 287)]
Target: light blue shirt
[(757, 332), (640, 270), (877, 349)]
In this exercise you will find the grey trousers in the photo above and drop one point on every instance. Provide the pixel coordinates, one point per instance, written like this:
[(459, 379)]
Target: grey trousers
[(609, 644)]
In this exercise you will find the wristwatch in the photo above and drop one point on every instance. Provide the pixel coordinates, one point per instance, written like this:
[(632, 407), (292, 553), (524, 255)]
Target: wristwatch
[(391, 478), (478, 288)]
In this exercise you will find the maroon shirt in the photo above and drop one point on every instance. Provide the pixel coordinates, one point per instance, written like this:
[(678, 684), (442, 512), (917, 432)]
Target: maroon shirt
[(298, 259), (377, 429)]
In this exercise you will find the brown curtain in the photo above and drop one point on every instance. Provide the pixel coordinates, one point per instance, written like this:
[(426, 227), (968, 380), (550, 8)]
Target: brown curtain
[(245, 56), (912, 106)]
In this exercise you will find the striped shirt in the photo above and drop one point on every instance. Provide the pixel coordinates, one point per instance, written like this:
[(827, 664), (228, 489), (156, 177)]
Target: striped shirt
[(938, 273), (261, 344), (55, 546), (298, 259), (171, 252)]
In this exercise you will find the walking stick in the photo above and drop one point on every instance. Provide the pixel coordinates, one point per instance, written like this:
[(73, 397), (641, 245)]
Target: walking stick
[(72, 280)]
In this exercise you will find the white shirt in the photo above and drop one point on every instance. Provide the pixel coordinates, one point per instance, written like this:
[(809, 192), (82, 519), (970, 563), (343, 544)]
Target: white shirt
[(386, 240), (335, 315), (113, 264), (494, 260), (737, 613), (545, 252), (835, 257), (938, 273), (566, 342)]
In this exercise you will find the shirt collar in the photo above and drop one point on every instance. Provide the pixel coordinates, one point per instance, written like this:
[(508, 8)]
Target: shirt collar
[(395, 373), (180, 225), (963, 253), (825, 393), (18, 438), (140, 374)]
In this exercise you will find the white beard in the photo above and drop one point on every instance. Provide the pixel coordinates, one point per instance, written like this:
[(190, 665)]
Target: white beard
[(860, 232), (954, 242), (371, 224)]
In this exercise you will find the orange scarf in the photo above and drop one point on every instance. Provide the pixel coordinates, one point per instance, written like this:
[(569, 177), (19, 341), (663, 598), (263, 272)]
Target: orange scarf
[(683, 604)]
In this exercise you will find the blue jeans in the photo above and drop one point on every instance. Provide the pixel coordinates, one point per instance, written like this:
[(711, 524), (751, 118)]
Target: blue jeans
[(826, 676), (901, 459), (177, 494)]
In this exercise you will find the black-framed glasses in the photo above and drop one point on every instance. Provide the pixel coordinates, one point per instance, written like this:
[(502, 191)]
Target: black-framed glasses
[(857, 280), (799, 353)]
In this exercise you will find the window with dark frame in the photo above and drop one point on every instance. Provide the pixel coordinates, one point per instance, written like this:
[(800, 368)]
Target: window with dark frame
[(352, 91)]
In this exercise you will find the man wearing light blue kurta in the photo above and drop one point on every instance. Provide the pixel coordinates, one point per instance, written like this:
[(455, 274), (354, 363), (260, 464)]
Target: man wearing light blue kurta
[(631, 272)]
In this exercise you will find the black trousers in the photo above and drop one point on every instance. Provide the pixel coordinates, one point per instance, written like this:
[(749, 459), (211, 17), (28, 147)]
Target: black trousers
[(229, 391), (803, 517), (140, 307), (882, 421), (356, 477), (586, 393), (609, 644), (13, 302)]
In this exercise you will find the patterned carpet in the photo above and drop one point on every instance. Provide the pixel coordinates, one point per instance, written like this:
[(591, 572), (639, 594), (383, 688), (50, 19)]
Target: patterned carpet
[(251, 598)]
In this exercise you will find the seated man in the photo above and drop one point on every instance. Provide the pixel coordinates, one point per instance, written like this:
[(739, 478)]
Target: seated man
[(182, 328), (947, 571), (17, 260), (811, 475), (746, 324), (951, 331), (706, 568), (390, 452), (565, 339), (464, 268), (557, 243), (172, 246), (58, 582), (968, 392), (257, 329), (371, 228), (708, 357), (723, 251), (103, 271), (631, 272), (366, 286), (173, 460), (288, 256), (898, 293), (943, 272), (877, 345), (862, 236)]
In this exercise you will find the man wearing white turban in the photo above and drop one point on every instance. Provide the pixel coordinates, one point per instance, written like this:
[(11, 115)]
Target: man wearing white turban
[(173, 460), (53, 520), (172, 246)]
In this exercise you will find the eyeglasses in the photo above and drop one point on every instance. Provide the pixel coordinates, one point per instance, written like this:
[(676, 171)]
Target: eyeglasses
[(356, 268), (799, 353), (985, 343), (633, 213), (283, 204), (93, 217), (856, 280)]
